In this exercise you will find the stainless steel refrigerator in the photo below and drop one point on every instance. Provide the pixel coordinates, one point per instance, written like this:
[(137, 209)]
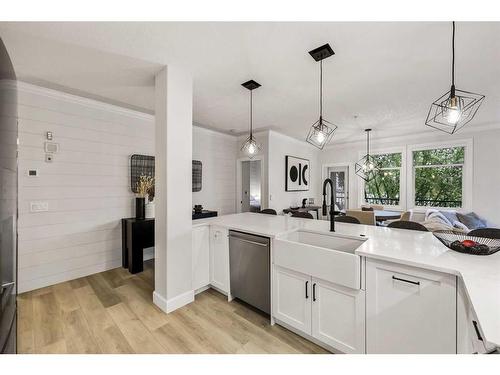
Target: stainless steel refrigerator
[(8, 203)]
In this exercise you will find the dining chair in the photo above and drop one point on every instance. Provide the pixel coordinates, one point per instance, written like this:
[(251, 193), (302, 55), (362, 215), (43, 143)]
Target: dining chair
[(411, 225), (346, 219), (268, 211), (377, 207), (405, 216), (364, 217), (303, 215), (485, 233)]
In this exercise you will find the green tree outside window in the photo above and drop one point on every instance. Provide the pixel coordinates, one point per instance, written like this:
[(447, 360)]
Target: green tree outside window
[(438, 175)]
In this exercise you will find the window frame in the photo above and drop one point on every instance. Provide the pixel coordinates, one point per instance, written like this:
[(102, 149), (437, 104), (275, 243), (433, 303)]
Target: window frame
[(467, 178), (402, 176)]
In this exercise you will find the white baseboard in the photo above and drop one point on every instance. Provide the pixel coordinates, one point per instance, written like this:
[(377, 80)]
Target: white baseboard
[(218, 290), (307, 337), (173, 303), (202, 289), (159, 301), (28, 285)]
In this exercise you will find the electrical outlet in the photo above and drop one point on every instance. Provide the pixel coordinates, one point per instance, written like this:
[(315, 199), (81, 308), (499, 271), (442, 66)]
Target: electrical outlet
[(39, 206)]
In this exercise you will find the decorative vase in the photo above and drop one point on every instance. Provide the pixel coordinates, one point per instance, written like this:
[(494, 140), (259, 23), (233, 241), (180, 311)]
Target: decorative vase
[(140, 208), (150, 210)]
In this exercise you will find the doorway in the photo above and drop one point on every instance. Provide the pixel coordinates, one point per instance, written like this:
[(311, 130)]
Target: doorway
[(340, 177), (250, 185)]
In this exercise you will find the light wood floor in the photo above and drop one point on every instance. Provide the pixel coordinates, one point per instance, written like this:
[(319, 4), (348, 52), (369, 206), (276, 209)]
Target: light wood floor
[(113, 312)]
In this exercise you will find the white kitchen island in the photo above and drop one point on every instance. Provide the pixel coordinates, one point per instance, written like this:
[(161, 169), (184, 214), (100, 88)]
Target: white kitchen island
[(457, 296)]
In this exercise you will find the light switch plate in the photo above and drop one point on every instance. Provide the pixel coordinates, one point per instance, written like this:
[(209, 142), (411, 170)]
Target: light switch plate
[(39, 206), (51, 147)]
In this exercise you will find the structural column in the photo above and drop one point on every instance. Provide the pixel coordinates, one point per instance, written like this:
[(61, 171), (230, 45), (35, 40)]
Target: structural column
[(173, 190)]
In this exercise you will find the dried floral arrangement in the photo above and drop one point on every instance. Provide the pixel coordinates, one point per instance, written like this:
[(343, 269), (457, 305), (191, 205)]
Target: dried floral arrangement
[(145, 186)]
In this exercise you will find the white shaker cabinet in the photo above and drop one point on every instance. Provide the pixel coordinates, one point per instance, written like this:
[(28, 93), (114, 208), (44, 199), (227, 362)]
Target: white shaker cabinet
[(330, 313), (291, 298), (409, 310), (219, 258), (201, 256), (338, 316)]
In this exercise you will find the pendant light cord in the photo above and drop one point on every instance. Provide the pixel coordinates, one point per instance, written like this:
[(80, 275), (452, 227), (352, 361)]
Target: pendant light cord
[(367, 143), (453, 56), (321, 90), (251, 117)]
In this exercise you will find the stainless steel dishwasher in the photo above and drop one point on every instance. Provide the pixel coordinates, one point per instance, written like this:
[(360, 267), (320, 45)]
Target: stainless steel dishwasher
[(249, 266)]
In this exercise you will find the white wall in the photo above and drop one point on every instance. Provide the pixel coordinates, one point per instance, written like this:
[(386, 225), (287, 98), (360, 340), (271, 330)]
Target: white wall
[(217, 152), (486, 159), (279, 146), (87, 186)]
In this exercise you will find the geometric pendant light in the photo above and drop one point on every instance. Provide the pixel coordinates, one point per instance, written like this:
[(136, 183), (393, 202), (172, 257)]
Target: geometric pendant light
[(456, 108), (321, 131), (367, 167), (250, 146)]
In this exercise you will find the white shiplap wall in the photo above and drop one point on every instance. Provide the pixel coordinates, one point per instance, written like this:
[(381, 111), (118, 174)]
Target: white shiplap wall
[(217, 152), (87, 185)]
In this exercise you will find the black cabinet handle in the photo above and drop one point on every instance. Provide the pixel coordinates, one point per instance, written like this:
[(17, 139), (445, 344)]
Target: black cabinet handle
[(479, 337), (406, 281), (314, 292), (307, 295)]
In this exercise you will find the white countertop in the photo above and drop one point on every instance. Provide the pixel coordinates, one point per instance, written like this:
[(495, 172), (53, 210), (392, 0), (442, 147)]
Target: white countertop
[(480, 274)]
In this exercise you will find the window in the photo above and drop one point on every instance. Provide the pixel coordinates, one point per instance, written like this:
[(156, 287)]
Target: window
[(385, 188), (439, 177)]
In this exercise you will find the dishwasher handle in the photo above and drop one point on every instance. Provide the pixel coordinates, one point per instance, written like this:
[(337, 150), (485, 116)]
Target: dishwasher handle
[(248, 241)]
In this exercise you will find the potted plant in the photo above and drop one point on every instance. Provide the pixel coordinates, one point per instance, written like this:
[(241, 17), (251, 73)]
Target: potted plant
[(144, 186)]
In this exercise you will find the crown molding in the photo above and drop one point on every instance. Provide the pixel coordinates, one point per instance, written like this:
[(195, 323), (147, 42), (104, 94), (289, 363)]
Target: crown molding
[(80, 100), (466, 132), (209, 129)]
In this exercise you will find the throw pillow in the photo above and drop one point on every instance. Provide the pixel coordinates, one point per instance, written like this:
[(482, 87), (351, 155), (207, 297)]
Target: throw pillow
[(450, 215), (471, 220)]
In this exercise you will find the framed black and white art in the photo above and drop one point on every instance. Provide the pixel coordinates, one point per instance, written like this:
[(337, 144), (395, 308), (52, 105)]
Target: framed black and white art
[(297, 174)]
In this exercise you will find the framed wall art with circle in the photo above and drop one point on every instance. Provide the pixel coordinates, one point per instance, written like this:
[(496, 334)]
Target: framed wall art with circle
[(297, 174)]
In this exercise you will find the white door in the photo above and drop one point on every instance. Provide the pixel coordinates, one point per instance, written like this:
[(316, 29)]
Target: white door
[(340, 177), (201, 256), (219, 258), (251, 185), (245, 186), (409, 310), (292, 298), (338, 316)]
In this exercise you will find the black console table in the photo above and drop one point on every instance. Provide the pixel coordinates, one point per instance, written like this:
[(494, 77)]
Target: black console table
[(137, 234)]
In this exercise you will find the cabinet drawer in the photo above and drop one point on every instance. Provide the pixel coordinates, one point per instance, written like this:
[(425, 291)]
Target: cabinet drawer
[(409, 310)]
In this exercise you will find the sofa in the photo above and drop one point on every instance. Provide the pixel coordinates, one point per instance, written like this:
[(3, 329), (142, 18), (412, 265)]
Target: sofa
[(452, 220)]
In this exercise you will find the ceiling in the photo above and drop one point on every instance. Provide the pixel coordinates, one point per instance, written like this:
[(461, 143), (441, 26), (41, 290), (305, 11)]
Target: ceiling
[(384, 75)]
